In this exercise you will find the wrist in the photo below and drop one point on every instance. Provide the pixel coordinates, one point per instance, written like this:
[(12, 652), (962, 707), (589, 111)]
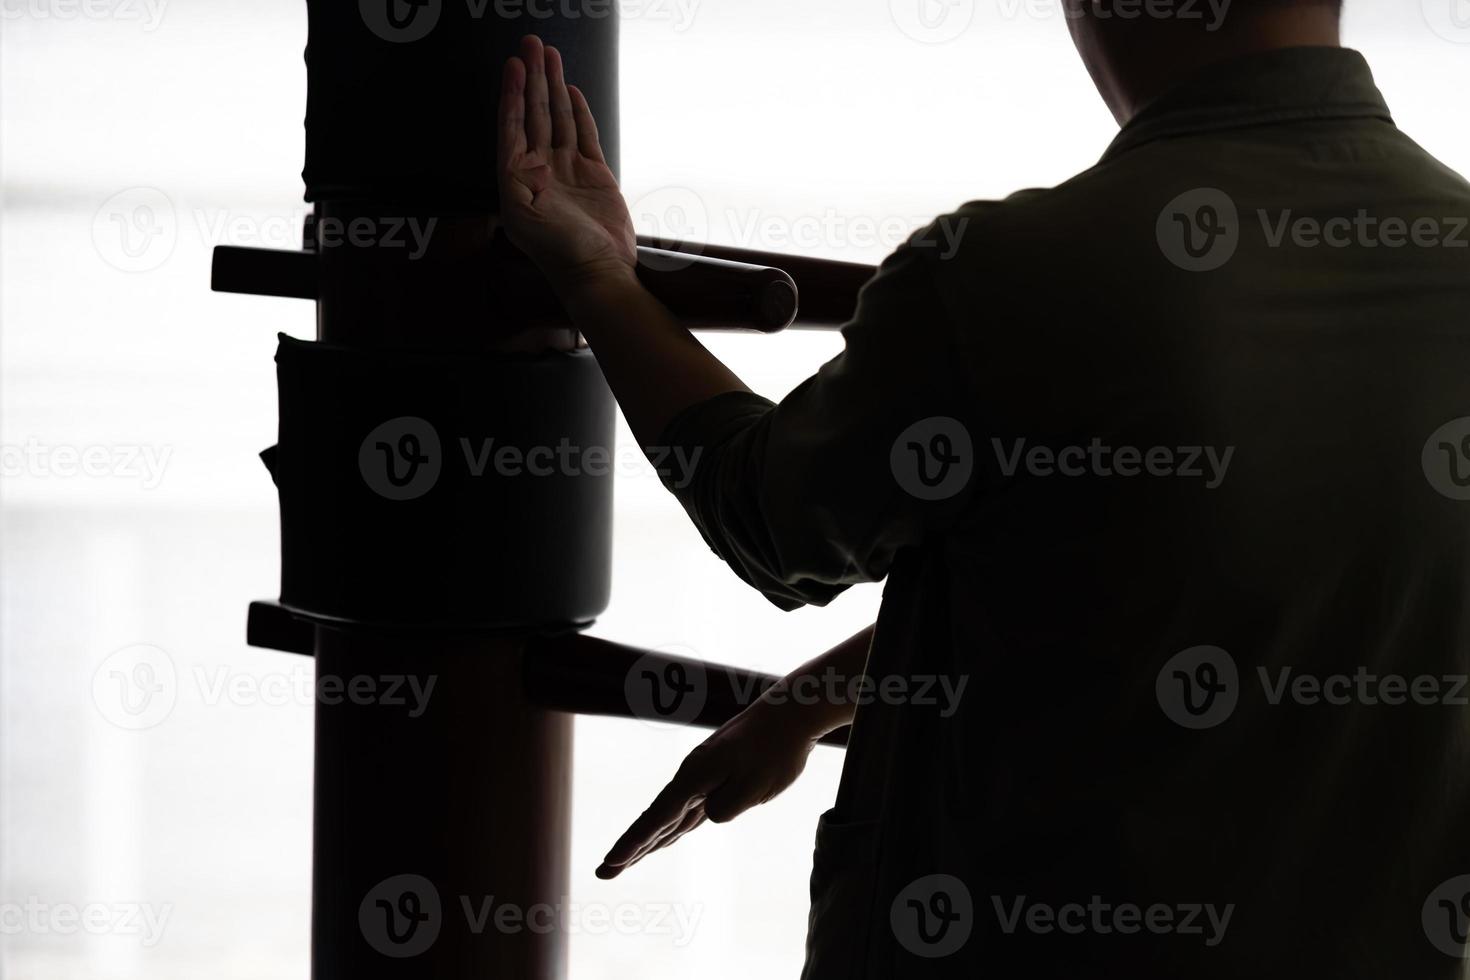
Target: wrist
[(593, 282), (809, 717)]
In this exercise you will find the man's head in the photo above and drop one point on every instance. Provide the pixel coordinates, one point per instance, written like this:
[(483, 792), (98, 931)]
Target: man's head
[(1136, 50)]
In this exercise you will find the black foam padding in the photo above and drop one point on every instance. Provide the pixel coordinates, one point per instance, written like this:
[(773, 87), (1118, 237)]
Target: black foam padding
[(525, 545), (402, 94)]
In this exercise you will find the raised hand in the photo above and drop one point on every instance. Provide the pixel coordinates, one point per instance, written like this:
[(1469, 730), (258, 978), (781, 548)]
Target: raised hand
[(559, 201)]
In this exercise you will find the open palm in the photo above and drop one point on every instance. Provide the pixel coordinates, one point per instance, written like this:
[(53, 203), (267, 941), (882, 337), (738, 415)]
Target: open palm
[(559, 200)]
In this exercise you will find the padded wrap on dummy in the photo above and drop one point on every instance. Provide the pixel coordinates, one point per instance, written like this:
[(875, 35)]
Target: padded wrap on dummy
[(384, 520)]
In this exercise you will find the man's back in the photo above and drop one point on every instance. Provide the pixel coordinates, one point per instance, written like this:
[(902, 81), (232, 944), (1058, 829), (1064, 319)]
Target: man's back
[(1210, 584)]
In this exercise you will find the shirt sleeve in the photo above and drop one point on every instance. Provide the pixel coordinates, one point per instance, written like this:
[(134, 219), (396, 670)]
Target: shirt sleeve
[(870, 455)]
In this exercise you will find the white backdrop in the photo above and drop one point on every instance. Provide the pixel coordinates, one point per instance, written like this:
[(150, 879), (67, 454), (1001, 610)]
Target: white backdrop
[(133, 402)]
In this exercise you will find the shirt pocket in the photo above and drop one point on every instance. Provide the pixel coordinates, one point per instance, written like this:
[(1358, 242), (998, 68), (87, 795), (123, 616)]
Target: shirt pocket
[(844, 863)]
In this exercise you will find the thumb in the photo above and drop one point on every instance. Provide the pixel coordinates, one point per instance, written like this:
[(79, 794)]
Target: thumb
[(734, 797)]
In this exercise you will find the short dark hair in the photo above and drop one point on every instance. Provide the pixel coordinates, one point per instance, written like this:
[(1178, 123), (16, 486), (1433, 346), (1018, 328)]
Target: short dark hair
[(1236, 6), (1252, 5), (1267, 4)]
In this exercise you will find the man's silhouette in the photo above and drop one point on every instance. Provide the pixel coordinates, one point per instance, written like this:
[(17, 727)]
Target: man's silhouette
[(1165, 469)]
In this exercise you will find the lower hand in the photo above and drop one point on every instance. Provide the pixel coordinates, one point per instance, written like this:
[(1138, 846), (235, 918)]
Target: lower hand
[(559, 200), (749, 760)]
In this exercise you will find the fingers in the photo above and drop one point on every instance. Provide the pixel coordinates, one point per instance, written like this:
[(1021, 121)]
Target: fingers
[(629, 850), (693, 819), (663, 815), (662, 825), (539, 110), (563, 126), (659, 838), (683, 795), (538, 106), (512, 116), (587, 140)]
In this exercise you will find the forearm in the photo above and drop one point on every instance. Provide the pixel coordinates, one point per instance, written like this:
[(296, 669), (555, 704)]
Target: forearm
[(817, 697), (655, 366)]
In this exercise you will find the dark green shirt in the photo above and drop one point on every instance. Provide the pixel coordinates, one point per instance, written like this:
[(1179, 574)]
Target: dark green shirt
[(1169, 466)]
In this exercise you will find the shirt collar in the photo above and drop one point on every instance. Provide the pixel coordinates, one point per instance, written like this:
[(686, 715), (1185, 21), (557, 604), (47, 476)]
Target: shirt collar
[(1284, 85)]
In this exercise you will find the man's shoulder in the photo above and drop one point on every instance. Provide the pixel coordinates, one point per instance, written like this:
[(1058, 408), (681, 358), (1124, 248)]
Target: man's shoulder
[(1119, 201), (1038, 217)]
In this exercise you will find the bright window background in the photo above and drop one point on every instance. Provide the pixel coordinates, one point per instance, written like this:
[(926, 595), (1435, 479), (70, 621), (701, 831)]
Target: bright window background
[(800, 125)]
